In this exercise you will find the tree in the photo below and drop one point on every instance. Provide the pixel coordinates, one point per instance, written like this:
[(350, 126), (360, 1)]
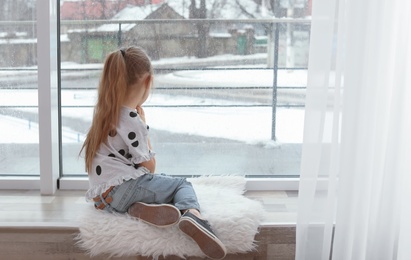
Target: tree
[(202, 28), (17, 10), (276, 7)]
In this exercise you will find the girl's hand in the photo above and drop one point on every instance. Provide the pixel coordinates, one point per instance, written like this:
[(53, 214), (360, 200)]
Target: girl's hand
[(141, 113)]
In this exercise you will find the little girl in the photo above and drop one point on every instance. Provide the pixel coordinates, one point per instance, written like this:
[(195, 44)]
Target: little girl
[(120, 161)]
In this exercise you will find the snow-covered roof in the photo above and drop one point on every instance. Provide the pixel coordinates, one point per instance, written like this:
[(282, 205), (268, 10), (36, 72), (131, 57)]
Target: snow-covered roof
[(129, 13), (136, 12)]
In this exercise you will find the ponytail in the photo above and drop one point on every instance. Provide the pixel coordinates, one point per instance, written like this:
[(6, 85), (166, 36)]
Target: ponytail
[(121, 69)]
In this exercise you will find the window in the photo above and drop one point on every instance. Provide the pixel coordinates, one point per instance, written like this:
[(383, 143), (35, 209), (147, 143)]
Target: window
[(213, 109), (225, 86), (19, 140)]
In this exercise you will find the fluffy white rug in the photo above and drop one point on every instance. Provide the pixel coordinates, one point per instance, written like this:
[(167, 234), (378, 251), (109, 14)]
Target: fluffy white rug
[(233, 217)]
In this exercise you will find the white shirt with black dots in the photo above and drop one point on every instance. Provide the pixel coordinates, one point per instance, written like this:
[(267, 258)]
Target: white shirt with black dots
[(118, 160)]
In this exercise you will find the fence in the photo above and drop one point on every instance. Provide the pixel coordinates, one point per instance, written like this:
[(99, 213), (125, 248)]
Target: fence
[(240, 36), (274, 46)]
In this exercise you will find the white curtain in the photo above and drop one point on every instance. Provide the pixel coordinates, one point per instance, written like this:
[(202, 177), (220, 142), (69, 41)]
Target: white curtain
[(355, 185)]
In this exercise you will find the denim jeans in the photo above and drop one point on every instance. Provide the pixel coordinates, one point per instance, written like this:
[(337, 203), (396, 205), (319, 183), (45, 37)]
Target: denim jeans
[(152, 189)]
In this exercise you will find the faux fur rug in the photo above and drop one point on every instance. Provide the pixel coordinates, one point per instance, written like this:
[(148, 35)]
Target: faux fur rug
[(233, 217)]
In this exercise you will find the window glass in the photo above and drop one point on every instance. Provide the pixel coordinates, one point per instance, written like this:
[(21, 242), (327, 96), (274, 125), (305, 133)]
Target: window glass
[(225, 100), (19, 139)]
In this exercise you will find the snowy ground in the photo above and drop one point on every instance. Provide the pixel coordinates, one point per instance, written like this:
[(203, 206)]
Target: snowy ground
[(246, 124), (170, 115)]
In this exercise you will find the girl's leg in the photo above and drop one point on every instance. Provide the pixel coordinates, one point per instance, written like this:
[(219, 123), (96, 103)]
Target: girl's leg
[(191, 223), (159, 192), (155, 189), (185, 197)]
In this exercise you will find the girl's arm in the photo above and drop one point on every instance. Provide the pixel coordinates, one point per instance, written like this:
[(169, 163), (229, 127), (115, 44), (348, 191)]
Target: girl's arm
[(151, 164)]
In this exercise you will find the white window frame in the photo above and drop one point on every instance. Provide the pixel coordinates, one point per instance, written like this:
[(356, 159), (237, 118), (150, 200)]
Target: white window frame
[(48, 99), (48, 95), (81, 183), (48, 105)]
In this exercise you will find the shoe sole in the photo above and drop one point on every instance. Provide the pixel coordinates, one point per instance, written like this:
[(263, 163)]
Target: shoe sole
[(210, 245), (159, 215)]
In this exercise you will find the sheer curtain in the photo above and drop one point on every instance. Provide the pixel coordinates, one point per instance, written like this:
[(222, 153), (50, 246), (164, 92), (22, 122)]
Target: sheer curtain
[(355, 184)]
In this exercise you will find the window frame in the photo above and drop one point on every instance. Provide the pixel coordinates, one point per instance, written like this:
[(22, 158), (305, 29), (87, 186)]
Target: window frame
[(255, 184), (49, 119)]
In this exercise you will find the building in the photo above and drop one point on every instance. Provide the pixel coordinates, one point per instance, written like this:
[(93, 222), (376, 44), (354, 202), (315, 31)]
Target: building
[(173, 38)]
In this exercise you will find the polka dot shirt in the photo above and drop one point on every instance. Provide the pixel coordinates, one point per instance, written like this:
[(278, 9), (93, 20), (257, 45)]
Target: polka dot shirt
[(119, 158)]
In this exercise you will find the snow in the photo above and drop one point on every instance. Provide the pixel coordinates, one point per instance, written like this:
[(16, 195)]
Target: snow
[(251, 124), (136, 12), (220, 35), (245, 124), (16, 130), (133, 13), (230, 9), (129, 13), (18, 41), (223, 57), (237, 78)]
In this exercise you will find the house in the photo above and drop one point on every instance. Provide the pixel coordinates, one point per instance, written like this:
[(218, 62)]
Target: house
[(224, 38), (173, 39), (159, 39), (93, 10), (166, 39)]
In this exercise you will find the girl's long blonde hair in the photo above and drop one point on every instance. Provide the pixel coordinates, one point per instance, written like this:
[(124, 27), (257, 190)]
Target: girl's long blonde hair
[(122, 69)]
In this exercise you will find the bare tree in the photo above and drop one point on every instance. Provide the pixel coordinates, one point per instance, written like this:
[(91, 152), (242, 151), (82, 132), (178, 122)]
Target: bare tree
[(17, 10), (202, 28)]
